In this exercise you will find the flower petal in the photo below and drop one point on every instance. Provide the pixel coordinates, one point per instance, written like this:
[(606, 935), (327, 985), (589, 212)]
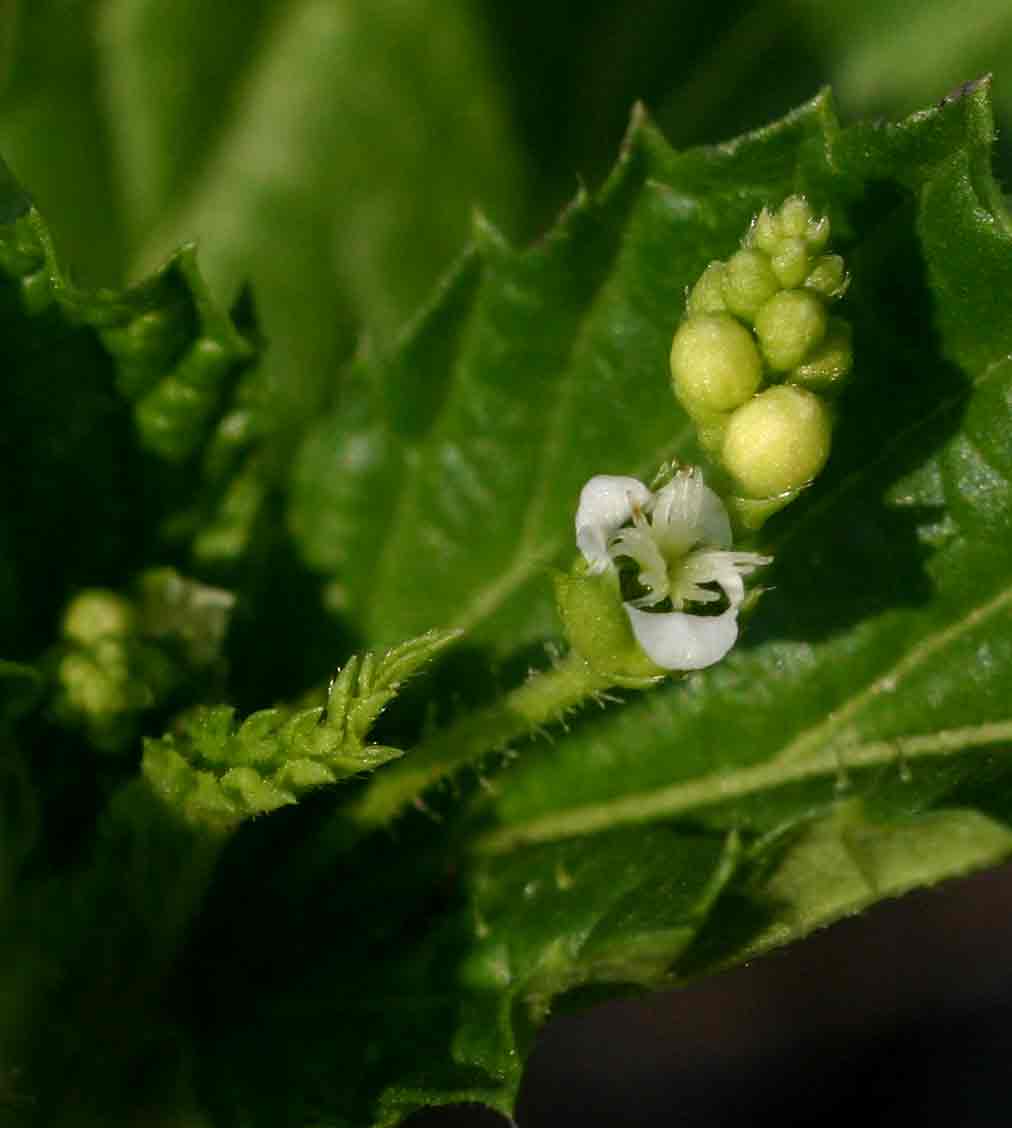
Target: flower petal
[(687, 512), (606, 504), (677, 641)]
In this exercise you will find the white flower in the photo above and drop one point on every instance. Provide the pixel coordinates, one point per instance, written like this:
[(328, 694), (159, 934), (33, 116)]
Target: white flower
[(680, 539)]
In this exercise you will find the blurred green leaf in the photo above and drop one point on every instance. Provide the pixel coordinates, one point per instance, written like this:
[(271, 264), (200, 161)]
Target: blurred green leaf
[(327, 151), (54, 132), (335, 167)]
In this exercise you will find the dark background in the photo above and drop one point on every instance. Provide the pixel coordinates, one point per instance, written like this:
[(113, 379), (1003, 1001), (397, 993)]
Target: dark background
[(902, 1015)]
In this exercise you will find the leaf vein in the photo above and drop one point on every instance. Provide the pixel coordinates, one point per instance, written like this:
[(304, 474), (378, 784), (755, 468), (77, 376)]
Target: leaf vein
[(821, 734), (681, 798)]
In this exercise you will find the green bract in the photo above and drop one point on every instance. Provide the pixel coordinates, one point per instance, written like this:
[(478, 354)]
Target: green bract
[(598, 629)]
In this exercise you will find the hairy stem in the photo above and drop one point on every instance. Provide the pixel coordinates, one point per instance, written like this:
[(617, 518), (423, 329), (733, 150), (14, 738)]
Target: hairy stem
[(543, 699)]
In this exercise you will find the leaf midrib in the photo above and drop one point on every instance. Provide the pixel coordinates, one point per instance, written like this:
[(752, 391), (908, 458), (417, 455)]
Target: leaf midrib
[(681, 798), (818, 750)]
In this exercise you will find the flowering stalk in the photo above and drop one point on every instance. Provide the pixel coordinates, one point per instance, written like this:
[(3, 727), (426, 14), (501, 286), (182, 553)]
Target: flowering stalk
[(544, 699), (759, 357), (658, 586), (679, 538)]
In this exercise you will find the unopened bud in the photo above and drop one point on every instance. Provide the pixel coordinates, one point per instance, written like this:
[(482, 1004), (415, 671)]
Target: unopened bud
[(831, 361), (828, 276), (778, 441), (789, 326), (749, 282), (707, 295), (817, 234), (795, 216), (715, 365), (765, 233), (94, 615), (790, 263)]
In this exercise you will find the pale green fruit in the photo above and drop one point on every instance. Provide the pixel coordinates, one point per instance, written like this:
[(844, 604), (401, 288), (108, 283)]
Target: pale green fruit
[(790, 326), (779, 441), (715, 365), (749, 282)]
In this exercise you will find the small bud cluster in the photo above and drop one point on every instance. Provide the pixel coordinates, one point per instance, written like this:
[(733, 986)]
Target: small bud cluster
[(121, 657), (759, 352)]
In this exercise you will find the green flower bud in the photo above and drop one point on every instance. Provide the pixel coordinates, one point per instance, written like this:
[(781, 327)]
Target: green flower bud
[(778, 441), (765, 233), (817, 234), (828, 277), (598, 629), (790, 263), (789, 326), (749, 282), (795, 217), (715, 365), (761, 317), (707, 295), (93, 615), (831, 361), (90, 689)]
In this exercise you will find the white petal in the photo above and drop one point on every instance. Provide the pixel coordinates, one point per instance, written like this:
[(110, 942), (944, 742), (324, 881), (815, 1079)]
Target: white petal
[(691, 510), (677, 641), (606, 504)]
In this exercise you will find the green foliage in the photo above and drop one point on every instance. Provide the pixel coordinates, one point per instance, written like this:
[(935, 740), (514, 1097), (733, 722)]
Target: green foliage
[(77, 980), (216, 772), (195, 925), (840, 743), (328, 152)]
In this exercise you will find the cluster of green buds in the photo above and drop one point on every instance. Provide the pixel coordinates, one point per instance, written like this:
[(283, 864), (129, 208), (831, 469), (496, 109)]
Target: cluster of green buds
[(122, 656), (759, 356)]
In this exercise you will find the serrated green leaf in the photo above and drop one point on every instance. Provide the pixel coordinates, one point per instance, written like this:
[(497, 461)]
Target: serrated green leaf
[(858, 740), (536, 370), (856, 744)]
